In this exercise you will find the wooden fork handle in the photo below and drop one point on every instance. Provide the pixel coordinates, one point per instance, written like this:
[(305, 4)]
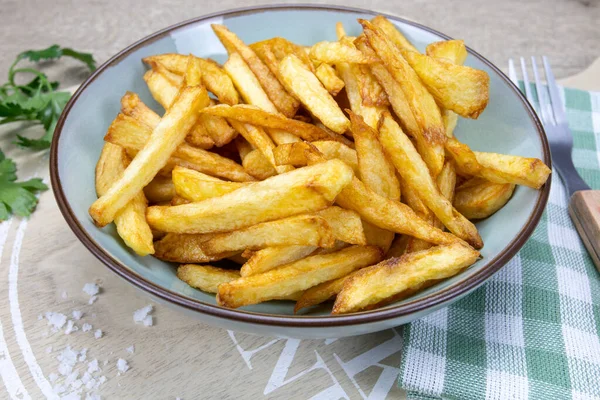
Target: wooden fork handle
[(584, 209)]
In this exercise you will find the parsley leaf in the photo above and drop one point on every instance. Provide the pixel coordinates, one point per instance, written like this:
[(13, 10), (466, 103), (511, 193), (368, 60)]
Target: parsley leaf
[(16, 197), (54, 52)]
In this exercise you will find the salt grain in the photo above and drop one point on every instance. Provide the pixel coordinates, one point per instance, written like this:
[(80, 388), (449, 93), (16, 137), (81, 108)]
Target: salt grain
[(142, 313), (56, 320), (77, 314), (122, 365), (71, 327), (82, 355), (148, 320), (92, 299), (91, 289), (86, 327), (52, 377), (93, 366), (98, 333), (130, 349), (63, 294)]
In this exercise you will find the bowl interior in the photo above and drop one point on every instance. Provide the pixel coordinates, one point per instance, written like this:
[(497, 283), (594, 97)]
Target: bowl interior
[(504, 127)]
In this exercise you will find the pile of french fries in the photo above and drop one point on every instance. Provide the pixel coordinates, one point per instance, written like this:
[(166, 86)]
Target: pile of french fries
[(323, 172)]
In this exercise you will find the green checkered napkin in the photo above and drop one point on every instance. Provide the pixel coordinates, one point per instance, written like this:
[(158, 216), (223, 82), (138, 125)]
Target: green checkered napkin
[(531, 331)]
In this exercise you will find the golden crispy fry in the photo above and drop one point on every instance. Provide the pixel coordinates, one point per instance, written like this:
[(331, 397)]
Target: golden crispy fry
[(165, 138), (300, 81), (338, 52), (159, 190), (206, 277), (392, 33), (329, 78), (218, 129), (398, 246), (300, 191), (178, 200), (260, 140), (453, 51), (161, 88), (296, 276), (131, 220), (459, 88), (258, 166), (431, 134), (285, 103), (394, 92), (346, 224), (238, 259), (375, 169), (243, 147), (213, 76), (339, 30), (295, 153), (377, 236), (127, 132), (255, 116), (478, 198), (376, 284), (415, 173), (195, 186), (268, 258), (182, 248), (280, 48), (199, 136), (301, 230), (504, 168), (320, 293), (371, 92), (463, 156), (174, 79)]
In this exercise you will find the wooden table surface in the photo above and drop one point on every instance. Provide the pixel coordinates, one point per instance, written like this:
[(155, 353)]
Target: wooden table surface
[(43, 267)]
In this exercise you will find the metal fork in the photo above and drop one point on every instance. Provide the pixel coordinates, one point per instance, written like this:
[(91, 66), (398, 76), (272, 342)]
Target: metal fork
[(584, 204)]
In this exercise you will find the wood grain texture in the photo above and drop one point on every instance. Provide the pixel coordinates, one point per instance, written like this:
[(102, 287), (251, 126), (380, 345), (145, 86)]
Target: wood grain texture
[(584, 209)]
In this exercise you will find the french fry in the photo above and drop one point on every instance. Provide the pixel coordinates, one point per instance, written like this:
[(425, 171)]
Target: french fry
[(415, 173), (182, 248), (199, 136), (300, 81), (371, 92), (320, 293), (345, 224), (504, 168), (165, 138), (206, 277), (178, 200), (218, 129), (300, 191), (174, 79), (338, 52), (464, 158), (393, 33), (301, 230), (478, 198), (294, 277), (243, 147), (285, 103), (128, 133), (238, 259), (255, 116), (195, 186), (271, 257), (258, 166), (375, 169), (131, 220), (159, 190), (459, 88), (329, 78), (213, 76), (424, 108), (258, 138), (163, 90), (279, 48), (398, 246), (378, 283), (453, 51), (295, 153)]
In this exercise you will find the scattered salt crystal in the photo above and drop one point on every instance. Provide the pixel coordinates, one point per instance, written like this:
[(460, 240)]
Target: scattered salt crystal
[(40, 317), (86, 377), (91, 384), (98, 333), (67, 359), (91, 289), (122, 365), (77, 384), (71, 327), (92, 299), (102, 379), (141, 314), (58, 389), (148, 320), (93, 366), (56, 320), (63, 294), (49, 349), (72, 377), (77, 314), (86, 327), (82, 355), (130, 349), (52, 377)]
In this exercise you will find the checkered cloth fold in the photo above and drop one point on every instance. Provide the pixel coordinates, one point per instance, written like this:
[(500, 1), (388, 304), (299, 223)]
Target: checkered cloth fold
[(532, 330)]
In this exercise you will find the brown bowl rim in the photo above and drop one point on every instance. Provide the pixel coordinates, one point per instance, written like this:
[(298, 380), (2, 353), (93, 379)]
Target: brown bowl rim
[(243, 316)]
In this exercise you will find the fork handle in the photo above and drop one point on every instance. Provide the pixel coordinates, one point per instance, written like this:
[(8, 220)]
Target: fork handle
[(584, 209)]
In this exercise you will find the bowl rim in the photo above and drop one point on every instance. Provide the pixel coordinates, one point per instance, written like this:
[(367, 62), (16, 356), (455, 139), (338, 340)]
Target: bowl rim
[(430, 301)]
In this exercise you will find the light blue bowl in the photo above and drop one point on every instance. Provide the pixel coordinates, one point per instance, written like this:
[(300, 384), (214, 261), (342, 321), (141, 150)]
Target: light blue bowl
[(508, 125)]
